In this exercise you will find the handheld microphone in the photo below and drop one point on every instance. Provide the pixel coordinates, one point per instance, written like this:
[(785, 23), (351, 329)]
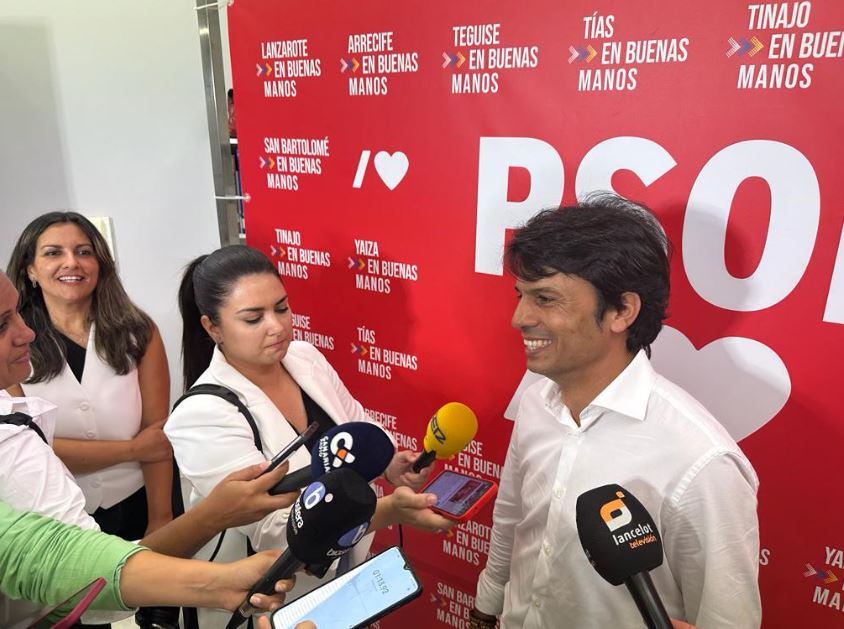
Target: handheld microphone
[(362, 446), (449, 431), (326, 521), (623, 544)]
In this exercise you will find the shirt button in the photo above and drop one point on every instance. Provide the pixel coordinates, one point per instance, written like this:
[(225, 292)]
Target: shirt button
[(90, 434), (547, 548), (558, 492), (536, 602), (84, 406)]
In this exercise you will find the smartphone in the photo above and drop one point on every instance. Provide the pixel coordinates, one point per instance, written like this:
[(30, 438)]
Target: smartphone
[(362, 595), (67, 614), (459, 496), (291, 447)]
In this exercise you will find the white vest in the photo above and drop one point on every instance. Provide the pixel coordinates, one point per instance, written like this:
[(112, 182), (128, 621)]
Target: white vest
[(104, 406)]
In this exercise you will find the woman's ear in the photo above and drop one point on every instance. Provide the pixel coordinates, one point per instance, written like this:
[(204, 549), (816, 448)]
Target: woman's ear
[(212, 329)]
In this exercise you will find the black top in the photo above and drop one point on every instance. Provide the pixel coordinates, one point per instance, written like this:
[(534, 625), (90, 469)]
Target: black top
[(75, 355), (315, 413)]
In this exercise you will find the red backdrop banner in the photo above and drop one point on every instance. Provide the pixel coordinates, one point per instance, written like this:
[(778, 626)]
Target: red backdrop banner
[(388, 149)]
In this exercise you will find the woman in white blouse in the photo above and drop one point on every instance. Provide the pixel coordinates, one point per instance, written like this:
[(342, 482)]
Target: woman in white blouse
[(238, 334), (100, 359)]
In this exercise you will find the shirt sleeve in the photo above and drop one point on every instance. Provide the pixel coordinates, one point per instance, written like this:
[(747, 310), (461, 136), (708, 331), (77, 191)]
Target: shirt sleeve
[(711, 543), (45, 561), (33, 478), (506, 515), (210, 440)]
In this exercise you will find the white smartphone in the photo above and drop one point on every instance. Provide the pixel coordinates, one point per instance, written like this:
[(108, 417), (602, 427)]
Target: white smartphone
[(362, 595)]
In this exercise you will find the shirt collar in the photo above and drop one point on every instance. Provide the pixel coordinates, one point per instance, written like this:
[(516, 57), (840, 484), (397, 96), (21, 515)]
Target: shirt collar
[(299, 368), (32, 406), (627, 394), (35, 407)]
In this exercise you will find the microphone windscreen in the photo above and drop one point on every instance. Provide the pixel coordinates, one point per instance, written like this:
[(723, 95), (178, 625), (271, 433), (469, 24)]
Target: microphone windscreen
[(361, 446), (450, 430), (617, 532), (330, 516)]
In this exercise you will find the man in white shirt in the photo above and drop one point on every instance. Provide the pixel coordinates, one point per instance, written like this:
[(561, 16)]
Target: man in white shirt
[(593, 285)]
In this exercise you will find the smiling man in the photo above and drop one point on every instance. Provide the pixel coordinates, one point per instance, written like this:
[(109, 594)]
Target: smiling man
[(593, 284)]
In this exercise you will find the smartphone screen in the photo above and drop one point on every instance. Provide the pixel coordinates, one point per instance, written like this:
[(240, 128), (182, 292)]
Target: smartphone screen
[(355, 598), (456, 493), (68, 613)]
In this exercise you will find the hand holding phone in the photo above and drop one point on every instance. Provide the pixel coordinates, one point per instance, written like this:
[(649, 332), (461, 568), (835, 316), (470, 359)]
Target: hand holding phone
[(357, 598), (460, 496), (287, 451)]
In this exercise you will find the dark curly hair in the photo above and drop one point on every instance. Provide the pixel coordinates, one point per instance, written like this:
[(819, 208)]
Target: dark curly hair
[(616, 245)]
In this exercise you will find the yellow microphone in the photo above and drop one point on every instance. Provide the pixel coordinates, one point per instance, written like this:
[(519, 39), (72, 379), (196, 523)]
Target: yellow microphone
[(449, 431)]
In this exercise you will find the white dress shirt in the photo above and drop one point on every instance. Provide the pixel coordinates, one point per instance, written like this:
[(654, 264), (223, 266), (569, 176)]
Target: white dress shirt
[(105, 406), (652, 438), (33, 478)]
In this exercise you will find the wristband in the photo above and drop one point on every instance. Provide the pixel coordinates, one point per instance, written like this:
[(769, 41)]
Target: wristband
[(476, 621)]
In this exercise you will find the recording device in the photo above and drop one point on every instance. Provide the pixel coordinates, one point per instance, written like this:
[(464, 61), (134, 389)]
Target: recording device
[(460, 496), (326, 521), (623, 544), (361, 446), (73, 608), (291, 447), (449, 431), (357, 598)]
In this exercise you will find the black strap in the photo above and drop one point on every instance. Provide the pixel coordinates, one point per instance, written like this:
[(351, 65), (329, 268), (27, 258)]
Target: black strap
[(22, 419), (232, 398)]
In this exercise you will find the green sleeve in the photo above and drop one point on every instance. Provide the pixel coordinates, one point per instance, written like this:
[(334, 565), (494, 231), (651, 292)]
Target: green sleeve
[(45, 561)]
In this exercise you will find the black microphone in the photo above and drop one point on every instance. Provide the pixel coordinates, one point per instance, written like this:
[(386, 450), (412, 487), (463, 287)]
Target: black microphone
[(361, 446), (622, 544), (326, 521)]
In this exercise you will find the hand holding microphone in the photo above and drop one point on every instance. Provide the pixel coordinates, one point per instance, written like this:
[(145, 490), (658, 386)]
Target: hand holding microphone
[(449, 431), (327, 520), (623, 545), (362, 446)]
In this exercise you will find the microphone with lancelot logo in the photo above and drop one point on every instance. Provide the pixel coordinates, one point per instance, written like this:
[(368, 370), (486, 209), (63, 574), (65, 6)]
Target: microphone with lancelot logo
[(330, 516), (623, 544)]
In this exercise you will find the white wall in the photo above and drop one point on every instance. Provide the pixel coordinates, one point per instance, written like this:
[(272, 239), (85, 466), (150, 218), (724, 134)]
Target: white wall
[(102, 110)]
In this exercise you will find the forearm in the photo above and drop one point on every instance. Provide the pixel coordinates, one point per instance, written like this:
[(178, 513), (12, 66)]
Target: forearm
[(83, 456), (184, 536), (385, 514), (153, 579), (45, 561), (158, 480)]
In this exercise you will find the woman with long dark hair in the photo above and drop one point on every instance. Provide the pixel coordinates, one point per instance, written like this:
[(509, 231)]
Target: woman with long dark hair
[(238, 334), (100, 359)]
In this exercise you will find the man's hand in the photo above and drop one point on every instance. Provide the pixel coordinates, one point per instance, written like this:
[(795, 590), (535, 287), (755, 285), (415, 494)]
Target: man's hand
[(399, 472), (230, 586), (413, 509), (242, 498), (480, 620), (679, 624)]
